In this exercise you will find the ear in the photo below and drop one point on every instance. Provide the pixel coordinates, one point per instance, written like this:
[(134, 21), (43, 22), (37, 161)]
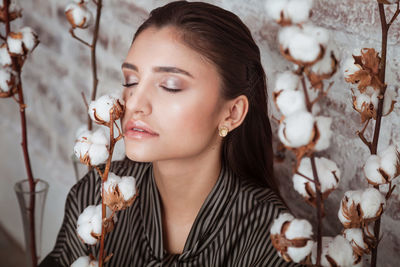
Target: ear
[(235, 111)]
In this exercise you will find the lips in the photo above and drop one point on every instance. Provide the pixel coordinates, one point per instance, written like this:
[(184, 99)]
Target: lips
[(138, 127)]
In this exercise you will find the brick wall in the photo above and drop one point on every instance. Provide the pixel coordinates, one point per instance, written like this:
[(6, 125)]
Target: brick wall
[(59, 70)]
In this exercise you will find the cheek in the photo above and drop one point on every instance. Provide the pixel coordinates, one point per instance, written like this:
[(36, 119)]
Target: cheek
[(188, 120)]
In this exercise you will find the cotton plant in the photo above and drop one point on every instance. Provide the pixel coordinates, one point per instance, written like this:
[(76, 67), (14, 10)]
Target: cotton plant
[(373, 99), (292, 238), (336, 251), (312, 52), (15, 47), (79, 14), (94, 148)]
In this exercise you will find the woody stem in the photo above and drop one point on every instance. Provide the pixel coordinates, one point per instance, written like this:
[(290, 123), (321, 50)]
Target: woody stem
[(382, 71)]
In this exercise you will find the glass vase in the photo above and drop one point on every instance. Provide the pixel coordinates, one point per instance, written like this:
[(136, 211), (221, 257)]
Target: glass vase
[(25, 197)]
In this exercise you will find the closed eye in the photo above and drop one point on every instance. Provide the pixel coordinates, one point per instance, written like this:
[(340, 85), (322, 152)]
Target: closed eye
[(127, 85)]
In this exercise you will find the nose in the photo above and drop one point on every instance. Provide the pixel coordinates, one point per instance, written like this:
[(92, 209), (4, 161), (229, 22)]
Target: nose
[(138, 100)]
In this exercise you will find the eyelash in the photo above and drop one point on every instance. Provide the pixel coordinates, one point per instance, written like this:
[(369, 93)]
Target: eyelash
[(127, 85)]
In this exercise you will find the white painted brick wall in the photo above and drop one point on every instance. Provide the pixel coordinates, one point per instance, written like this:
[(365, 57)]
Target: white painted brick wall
[(59, 70)]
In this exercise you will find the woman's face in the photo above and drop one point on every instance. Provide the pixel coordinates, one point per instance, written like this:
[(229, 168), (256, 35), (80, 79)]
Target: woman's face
[(186, 120)]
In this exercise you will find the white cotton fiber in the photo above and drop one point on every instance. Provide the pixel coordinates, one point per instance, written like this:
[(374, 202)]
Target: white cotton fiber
[(299, 228), (98, 154), (321, 35), (5, 58), (102, 105), (371, 170), (81, 16), (355, 236), (286, 80), (299, 254), (274, 8), (29, 37), (371, 201), (15, 45), (99, 137), (298, 11), (286, 34), (304, 47), (349, 67), (341, 251), (127, 186), (325, 169), (278, 222), (82, 261), (289, 102), (389, 160), (324, 128), (5, 78), (297, 129)]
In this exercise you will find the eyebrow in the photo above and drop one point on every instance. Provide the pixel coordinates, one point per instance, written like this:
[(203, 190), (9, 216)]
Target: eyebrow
[(158, 69)]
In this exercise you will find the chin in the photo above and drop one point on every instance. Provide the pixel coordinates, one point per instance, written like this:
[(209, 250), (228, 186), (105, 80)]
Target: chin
[(139, 158)]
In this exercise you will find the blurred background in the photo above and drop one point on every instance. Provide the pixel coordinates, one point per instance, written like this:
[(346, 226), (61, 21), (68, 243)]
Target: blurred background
[(59, 69)]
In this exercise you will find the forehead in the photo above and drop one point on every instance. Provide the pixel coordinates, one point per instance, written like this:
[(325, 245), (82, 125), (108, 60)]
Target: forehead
[(164, 47)]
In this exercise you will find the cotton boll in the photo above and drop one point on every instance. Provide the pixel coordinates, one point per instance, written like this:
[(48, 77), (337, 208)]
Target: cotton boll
[(371, 202), (286, 81), (82, 261), (289, 102), (5, 79), (278, 222), (78, 15), (326, 240), (81, 149), (356, 238), (84, 225), (286, 34), (99, 137), (389, 161), (29, 38), (102, 107), (297, 129), (328, 174), (127, 187), (14, 43), (98, 154), (295, 230), (349, 68), (299, 254), (275, 8), (349, 213), (112, 181), (382, 168), (304, 48), (341, 251), (299, 228), (361, 101), (371, 170), (298, 11), (323, 66), (324, 128), (5, 58), (321, 35)]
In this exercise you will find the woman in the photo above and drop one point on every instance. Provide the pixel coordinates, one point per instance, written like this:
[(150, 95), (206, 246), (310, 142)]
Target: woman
[(204, 165)]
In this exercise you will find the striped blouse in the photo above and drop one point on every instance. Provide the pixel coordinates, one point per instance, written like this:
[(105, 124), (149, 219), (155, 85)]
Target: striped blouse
[(231, 228)]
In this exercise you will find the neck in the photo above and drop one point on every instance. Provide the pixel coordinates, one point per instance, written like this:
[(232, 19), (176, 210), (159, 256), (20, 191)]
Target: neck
[(184, 184)]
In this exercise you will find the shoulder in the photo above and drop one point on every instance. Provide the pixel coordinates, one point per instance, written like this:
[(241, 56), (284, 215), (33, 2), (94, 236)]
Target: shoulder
[(261, 197)]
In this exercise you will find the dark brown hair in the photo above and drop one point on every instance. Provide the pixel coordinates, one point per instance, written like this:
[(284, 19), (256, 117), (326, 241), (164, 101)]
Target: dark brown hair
[(223, 39)]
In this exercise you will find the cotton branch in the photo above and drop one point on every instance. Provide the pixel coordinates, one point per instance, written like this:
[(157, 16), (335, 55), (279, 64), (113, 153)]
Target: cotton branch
[(374, 147)]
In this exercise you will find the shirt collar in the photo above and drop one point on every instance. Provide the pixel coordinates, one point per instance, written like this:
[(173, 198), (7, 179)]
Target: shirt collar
[(206, 226)]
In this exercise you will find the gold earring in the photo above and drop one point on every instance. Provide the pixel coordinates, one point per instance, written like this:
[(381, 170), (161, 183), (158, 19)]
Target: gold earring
[(223, 131)]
